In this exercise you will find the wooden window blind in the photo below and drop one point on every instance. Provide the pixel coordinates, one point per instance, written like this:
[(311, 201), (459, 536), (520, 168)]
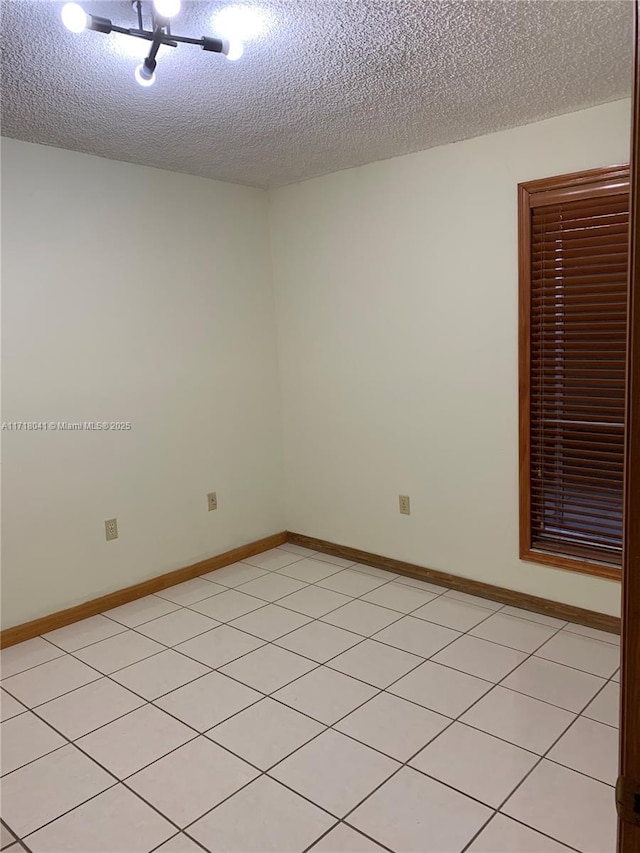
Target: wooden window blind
[(573, 257)]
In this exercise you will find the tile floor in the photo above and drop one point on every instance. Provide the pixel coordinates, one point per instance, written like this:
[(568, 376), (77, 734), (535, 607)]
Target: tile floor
[(297, 702)]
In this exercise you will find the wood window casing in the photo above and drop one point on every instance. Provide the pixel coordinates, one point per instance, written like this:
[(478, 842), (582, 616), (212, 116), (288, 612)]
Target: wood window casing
[(572, 334)]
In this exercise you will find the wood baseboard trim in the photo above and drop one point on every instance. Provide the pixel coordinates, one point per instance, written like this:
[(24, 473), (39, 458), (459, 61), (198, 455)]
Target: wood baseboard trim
[(590, 618), (28, 630)]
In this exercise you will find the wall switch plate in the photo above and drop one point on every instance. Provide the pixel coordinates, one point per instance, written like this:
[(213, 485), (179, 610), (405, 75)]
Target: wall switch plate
[(212, 501), (405, 507), (111, 529)]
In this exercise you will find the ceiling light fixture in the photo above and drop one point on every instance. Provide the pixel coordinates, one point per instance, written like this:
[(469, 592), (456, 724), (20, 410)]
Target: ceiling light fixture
[(76, 19)]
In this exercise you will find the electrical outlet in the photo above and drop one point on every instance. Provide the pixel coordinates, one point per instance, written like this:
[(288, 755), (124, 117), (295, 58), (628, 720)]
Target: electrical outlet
[(212, 501), (111, 529), (405, 507)]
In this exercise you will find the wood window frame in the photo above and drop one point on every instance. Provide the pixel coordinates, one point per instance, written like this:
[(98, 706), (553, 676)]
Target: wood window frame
[(574, 186)]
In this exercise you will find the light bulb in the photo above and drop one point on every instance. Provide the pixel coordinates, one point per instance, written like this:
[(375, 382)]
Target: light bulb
[(232, 49), (143, 76), (240, 22), (167, 8), (74, 17)]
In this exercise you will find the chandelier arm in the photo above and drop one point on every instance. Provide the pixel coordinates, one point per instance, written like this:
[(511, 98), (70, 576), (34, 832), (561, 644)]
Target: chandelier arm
[(187, 40), (158, 38), (76, 19), (146, 35)]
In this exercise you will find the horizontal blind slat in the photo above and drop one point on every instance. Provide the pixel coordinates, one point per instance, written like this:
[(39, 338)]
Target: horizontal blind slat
[(578, 322)]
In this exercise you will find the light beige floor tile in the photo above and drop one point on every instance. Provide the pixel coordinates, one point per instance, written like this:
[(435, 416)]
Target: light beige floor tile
[(441, 688), (177, 627), (268, 668), (191, 591), (47, 788), (560, 685), (83, 633), (451, 613), (480, 658), (343, 838), (131, 742), (475, 763), (270, 622), (334, 771), (420, 584), (180, 843), (503, 835), (297, 549), (115, 822), (375, 663), (272, 586), (605, 708), (137, 612), (234, 575), (7, 838), (160, 674), (392, 725), (336, 561), (542, 618), (319, 641), (325, 695), (192, 780), (51, 679), (516, 633), (594, 633), (25, 655), (25, 738), (416, 636), (519, 719), (375, 572), (227, 830), (220, 646), (265, 733), (352, 583), (310, 570), (10, 707), (314, 601), (208, 701), (117, 652), (568, 806), (227, 605), (474, 599), (80, 712), (397, 596), (582, 653), (413, 813), (362, 618), (591, 748), (272, 560)]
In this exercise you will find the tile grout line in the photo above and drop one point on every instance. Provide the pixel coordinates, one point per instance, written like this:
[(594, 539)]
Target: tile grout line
[(150, 702), (173, 648), (539, 762), (319, 665), (353, 710), (406, 763)]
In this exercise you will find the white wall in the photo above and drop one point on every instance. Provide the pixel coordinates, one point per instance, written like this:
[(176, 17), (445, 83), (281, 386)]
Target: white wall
[(137, 295), (396, 291), (131, 294)]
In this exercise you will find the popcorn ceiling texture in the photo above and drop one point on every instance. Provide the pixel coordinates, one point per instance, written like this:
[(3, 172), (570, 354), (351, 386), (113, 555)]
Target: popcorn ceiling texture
[(332, 84)]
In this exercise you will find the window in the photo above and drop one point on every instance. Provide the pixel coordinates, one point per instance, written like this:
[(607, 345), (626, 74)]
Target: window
[(573, 247)]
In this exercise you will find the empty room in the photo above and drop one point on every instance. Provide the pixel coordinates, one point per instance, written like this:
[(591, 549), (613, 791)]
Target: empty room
[(320, 426)]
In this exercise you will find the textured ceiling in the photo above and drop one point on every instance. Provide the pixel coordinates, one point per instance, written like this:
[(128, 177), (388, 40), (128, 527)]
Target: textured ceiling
[(331, 84)]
